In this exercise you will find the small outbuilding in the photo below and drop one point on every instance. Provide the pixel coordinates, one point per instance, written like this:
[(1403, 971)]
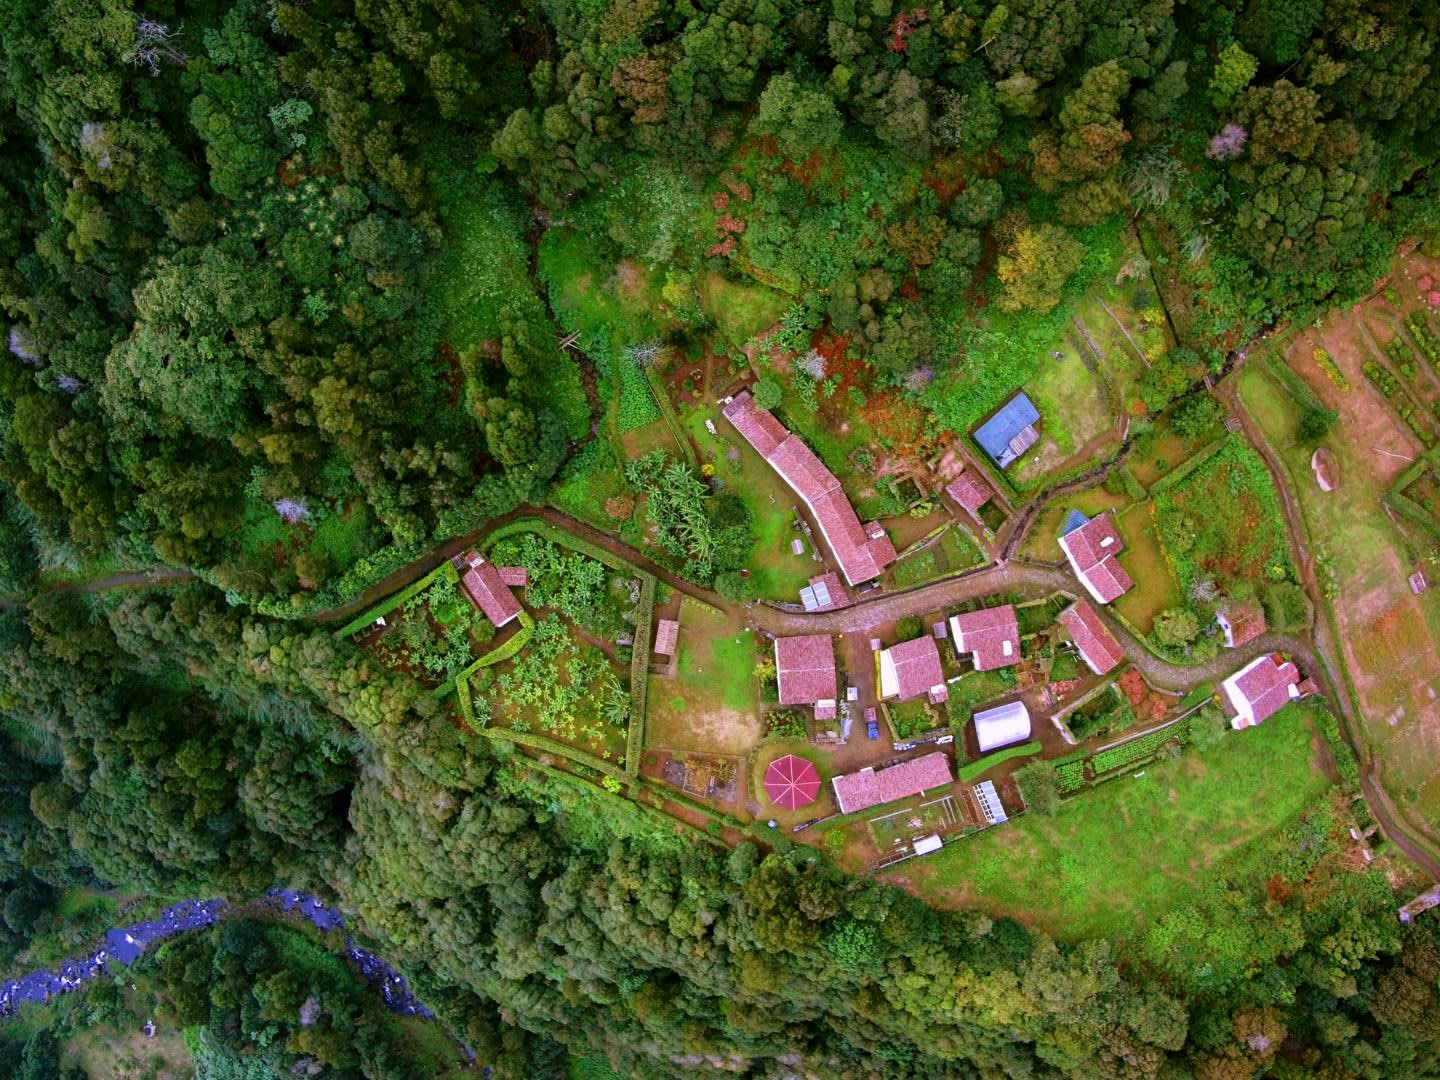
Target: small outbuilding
[(1092, 638), (667, 633), (1259, 690), (969, 491), (1241, 621), (1004, 725), (1011, 431), (926, 844)]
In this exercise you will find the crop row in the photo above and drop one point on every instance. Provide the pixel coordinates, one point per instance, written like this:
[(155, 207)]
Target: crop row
[(1327, 364), (1388, 385), (1137, 751), (1425, 337)]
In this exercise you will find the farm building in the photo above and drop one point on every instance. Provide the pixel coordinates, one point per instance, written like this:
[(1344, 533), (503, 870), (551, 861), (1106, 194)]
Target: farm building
[(1004, 725), (862, 551), (926, 844), (1241, 621), (969, 491), (1092, 638), (824, 593), (484, 584), (912, 668), (990, 804), (991, 637), (1259, 690), (1011, 431), (667, 633), (805, 673), (872, 787), (791, 782), (1092, 548)]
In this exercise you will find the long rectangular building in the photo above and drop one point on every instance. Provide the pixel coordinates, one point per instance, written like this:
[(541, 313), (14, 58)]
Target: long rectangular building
[(861, 551), (869, 787)]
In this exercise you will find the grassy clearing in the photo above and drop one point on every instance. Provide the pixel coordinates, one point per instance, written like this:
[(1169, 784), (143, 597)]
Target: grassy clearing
[(1144, 557), (710, 705), (485, 267), (740, 311), (1117, 857), (1072, 405), (1005, 350)]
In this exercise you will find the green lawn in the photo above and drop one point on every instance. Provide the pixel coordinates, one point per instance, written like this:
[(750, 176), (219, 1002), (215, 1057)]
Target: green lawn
[(740, 311), (1072, 407), (710, 705), (1115, 858), (1144, 557), (776, 572)]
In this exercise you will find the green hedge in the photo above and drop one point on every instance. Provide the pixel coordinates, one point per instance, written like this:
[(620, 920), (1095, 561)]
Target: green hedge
[(506, 651), (446, 570), (672, 421), (1193, 462), (559, 536), (1413, 512), (968, 774), (1133, 487), (640, 676), (1293, 384), (551, 746)]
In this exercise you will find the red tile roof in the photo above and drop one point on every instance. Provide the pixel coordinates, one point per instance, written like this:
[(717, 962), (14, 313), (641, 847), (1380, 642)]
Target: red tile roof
[(483, 584), (986, 634), (869, 787), (667, 633), (1260, 689), (1243, 621), (805, 669), (759, 426), (916, 667), (862, 552), (825, 711), (969, 490), (1094, 641), (1091, 550), (516, 577)]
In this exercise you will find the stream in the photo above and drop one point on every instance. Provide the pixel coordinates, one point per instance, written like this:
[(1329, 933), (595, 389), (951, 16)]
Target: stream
[(124, 945)]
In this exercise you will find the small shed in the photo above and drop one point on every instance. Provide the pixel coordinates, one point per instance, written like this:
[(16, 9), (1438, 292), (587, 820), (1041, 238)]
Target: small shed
[(926, 844), (1004, 725), (667, 633)]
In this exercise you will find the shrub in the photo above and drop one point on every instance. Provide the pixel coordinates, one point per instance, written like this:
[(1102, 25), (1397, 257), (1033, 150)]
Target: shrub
[(1040, 786), (909, 628)]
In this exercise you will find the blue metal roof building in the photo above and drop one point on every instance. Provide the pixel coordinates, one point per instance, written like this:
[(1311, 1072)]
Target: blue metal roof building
[(1011, 431)]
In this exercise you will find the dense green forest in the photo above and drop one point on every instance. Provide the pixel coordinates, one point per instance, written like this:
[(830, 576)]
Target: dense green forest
[(275, 314)]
